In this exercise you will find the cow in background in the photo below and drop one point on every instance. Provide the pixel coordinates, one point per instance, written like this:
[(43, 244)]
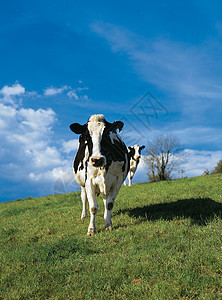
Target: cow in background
[(135, 154), (100, 165)]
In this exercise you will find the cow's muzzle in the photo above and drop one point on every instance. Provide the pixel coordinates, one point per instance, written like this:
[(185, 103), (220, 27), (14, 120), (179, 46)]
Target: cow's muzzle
[(98, 161)]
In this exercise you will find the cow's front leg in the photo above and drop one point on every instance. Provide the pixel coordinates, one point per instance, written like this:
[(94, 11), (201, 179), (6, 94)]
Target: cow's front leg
[(105, 209), (109, 203), (84, 203), (130, 178), (93, 207)]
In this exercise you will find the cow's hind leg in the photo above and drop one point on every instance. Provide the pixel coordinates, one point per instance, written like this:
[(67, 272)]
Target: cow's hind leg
[(84, 203)]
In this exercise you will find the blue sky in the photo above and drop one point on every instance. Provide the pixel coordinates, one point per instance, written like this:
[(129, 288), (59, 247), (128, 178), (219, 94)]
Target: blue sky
[(62, 61)]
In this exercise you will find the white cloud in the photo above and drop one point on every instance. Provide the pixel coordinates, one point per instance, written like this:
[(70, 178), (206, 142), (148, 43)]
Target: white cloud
[(77, 94), (50, 175), (28, 151), (6, 114), (58, 180), (70, 146), (70, 92), (14, 90), (82, 89), (11, 93), (73, 94), (26, 140), (40, 119), (52, 91)]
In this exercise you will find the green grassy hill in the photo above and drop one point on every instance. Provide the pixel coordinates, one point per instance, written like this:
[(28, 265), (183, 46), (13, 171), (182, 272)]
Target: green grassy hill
[(166, 244)]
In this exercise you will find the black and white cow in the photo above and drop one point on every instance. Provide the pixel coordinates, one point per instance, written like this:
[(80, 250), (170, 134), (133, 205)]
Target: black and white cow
[(100, 166), (135, 154)]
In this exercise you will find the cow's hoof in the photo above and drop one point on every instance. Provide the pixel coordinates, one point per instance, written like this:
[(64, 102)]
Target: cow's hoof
[(108, 227), (83, 216), (91, 232)]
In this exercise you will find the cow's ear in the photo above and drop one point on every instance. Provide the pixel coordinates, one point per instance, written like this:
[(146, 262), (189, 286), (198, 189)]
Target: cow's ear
[(117, 125), (77, 128), (142, 147)]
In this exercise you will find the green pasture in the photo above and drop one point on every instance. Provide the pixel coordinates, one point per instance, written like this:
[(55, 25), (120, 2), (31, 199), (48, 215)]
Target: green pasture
[(165, 244)]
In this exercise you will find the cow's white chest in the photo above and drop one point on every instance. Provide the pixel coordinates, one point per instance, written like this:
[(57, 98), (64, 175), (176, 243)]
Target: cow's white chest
[(133, 165), (96, 175), (103, 180)]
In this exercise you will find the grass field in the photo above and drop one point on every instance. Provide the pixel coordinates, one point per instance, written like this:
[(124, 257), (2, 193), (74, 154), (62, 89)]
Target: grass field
[(165, 244)]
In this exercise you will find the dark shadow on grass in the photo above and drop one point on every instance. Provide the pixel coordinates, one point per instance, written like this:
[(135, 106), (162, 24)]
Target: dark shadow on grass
[(199, 210)]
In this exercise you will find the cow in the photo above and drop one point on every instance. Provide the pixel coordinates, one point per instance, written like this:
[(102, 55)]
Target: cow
[(135, 154), (101, 165)]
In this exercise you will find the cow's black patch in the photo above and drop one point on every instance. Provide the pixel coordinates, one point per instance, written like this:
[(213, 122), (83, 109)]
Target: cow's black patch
[(131, 152), (113, 151), (84, 141), (113, 126), (110, 206)]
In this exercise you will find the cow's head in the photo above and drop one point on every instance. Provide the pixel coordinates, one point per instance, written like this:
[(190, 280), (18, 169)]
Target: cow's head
[(93, 134), (135, 151)]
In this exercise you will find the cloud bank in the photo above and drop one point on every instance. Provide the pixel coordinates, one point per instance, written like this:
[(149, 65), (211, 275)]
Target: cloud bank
[(28, 152)]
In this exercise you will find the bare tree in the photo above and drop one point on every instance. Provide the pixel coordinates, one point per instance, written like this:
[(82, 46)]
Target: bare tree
[(163, 156)]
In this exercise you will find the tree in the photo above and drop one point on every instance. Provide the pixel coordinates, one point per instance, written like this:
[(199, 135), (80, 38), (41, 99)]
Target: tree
[(206, 172), (163, 156), (218, 168)]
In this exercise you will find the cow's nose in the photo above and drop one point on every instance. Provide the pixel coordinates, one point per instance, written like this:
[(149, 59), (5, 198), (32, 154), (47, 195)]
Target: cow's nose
[(97, 161)]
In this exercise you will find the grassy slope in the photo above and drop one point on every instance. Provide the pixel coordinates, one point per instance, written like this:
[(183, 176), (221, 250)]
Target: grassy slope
[(165, 245)]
